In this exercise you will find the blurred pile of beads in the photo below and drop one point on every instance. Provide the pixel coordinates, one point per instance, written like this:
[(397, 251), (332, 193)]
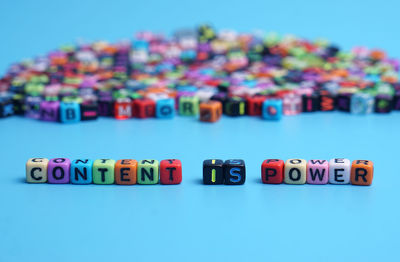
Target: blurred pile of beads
[(200, 72)]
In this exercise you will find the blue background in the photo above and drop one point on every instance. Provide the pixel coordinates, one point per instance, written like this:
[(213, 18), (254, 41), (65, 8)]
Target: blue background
[(193, 222)]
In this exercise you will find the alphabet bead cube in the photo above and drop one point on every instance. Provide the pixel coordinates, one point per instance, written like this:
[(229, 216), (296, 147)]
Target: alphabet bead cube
[(165, 108), (292, 104), (49, 110), (272, 109), (327, 101), (295, 171), (339, 171), (210, 111), (254, 105), (310, 103), (317, 172), (188, 105), (6, 108), (213, 172), (383, 103), (235, 106), (144, 108), (123, 108), (36, 170), (106, 106), (343, 102), (103, 171), (147, 173), (126, 172), (81, 171), (362, 103), (362, 172), (58, 171), (272, 171), (89, 111), (170, 172), (234, 172), (70, 112)]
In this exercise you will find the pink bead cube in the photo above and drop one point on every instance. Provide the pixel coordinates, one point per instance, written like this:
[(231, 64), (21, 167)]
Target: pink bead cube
[(317, 172)]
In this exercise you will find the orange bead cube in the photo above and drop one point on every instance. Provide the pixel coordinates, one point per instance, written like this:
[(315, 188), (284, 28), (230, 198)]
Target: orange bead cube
[(125, 172), (362, 172), (210, 111)]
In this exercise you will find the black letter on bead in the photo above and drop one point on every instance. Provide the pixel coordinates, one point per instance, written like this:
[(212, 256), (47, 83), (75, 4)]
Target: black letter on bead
[(338, 175), (269, 172), (61, 172), (79, 173), (123, 174), (103, 175), (361, 172), (146, 173), (291, 174), (33, 173), (171, 171)]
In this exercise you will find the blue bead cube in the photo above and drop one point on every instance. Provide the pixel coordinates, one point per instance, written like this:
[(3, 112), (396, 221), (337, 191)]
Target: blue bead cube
[(70, 112), (165, 108), (362, 103), (81, 171), (272, 109)]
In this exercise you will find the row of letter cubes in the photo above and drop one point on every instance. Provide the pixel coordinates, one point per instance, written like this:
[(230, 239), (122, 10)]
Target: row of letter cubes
[(103, 171), (294, 171)]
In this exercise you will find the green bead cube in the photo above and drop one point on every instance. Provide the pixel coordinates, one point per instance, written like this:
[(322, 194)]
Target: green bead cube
[(188, 105), (147, 172), (103, 171)]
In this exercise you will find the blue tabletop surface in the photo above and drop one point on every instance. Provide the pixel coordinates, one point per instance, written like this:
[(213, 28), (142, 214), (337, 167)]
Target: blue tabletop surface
[(193, 222)]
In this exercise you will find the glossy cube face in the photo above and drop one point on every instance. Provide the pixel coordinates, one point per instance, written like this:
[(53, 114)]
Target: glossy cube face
[(126, 172), (272, 171), (295, 171), (188, 105), (339, 171), (254, 105), (165, 108), (49, 110), (234, 172), (310, 103), (103, 171), (144, 108), (362, 104), (292, 104), (213, 172), (36, 170), (343, 102), (272, 109), (58, 171), (210, 111), (147, 173), (70, 112), (81, 171), (383, 103), (327, 101), (317, 172), (170, 172), (123, 108), (362, 172), (89, 111), (235, 106)]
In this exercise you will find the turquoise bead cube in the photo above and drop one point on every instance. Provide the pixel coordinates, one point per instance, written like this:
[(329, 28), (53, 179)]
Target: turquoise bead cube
[(81, 171), (70, 112), (165, 108), (362, 103), (272, 109)]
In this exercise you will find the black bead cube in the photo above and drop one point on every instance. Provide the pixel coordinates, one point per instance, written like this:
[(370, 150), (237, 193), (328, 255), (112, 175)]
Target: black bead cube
[(213, 172), (234, 172)]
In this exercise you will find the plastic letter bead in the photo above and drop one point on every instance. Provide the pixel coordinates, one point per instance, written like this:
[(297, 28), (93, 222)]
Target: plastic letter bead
[(147, 173), (254, 105), (311, 103), (317, 172), (70, 112), (235, 106), (81, 171), (234, 172), (383, 103), (103, 171), (49, 110), (58, 171), (362, 103), (292, 104), (339, 171), (295, 171), (272, 171), (213, 172), (36, 170), (188, 105), (165, 108), (362, 172), (144, 108), (210, 111), (126, 172), (89, 111), (170, 172), (123, 108), (272, 109)]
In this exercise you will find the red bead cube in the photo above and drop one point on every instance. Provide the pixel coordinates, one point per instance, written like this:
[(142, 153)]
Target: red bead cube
[(170, 172), (254, 105), (272, 171), (123, 108), (144, 108)]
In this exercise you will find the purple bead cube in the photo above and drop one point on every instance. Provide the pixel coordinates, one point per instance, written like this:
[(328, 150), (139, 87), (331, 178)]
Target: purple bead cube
[(58, 171), (49, 110), (317, 172)]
